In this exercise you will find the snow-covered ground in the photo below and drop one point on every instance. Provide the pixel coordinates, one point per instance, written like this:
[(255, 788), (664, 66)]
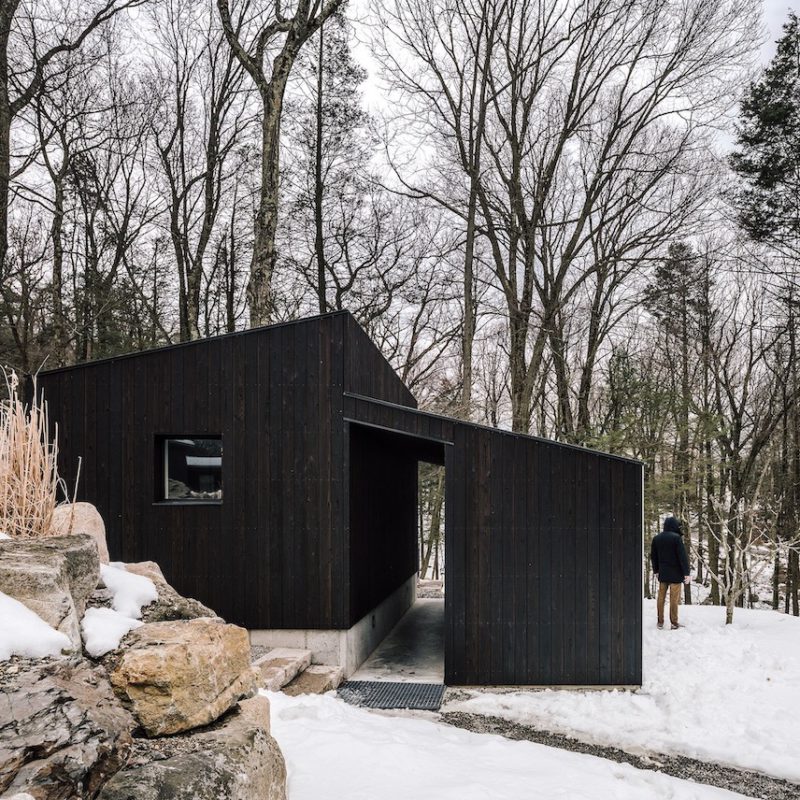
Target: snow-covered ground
[(338, 752), (729, 694)]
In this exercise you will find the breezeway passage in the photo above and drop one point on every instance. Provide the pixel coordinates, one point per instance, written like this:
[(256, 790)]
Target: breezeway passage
[(414, 650), (406, 670)]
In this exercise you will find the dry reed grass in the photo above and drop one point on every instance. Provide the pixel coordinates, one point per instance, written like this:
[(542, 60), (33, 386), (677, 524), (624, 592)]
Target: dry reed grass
[(29, 480)]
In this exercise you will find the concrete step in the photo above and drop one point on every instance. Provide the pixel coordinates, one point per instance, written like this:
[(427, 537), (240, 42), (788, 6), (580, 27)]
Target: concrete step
[(281, 666), (316, 679)]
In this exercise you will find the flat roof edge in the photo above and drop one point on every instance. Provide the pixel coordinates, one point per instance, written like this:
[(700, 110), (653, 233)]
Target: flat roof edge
[(504, 431), (176, 345)]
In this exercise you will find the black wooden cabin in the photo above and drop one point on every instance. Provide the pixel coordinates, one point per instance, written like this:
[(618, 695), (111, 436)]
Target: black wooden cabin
[(273, 475)]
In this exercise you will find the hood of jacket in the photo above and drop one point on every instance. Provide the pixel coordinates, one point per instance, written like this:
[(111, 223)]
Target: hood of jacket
[(672, 524)]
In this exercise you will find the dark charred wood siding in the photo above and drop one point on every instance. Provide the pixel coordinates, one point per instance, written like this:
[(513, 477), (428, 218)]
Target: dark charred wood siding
[(273, 554), (543, 554), (383, 516), (318, 524)]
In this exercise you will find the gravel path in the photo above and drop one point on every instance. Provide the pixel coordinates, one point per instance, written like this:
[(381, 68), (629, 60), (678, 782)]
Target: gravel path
[(752, 784)]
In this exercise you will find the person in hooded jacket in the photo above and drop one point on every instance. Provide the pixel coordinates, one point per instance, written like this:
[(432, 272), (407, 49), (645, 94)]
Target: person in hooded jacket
[(671, 568)]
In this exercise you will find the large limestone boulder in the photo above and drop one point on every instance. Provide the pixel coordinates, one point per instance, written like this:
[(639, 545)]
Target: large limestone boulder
[(237, 760), (71, 518), (63, 733), (53, 577), (170, 605), (179, 675)]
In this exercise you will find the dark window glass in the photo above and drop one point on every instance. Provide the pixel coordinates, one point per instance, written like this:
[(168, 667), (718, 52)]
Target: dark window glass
[(192, 469)]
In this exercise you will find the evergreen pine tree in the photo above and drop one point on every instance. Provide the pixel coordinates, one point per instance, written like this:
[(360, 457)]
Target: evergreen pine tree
[(768, 148)]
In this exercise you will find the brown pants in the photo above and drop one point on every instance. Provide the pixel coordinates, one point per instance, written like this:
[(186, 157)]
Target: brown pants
[(674, 597)]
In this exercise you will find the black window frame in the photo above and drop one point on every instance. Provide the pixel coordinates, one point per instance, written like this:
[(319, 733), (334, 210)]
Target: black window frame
[(160, 471)]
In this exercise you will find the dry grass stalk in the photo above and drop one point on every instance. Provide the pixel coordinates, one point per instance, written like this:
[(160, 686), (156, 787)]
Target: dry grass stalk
[(29, 480)]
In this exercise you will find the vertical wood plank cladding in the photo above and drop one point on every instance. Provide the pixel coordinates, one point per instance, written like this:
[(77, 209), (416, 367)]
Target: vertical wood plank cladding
[(594, 541), (533, 563), (271, 555), (552, 544), (632, 578), (604, 563), (367, 371), (581, 617), (617, 571), (569, 576), (518, 630), (340, 470), (543, 541), (455, 598), (383, 488), (260, 575), (272, 527), (543, 623)]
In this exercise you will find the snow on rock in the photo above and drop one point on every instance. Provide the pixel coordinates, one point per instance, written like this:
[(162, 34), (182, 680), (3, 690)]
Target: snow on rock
[(130, 591), (729, 694), (4, 535), (339, 752), (24, 633), (103, 629)]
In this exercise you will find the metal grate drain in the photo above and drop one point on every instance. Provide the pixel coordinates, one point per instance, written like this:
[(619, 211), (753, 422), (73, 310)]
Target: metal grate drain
[(390, 694)]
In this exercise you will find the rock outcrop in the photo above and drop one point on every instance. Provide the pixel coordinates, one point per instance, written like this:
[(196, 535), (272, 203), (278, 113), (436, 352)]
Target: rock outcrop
[(155, 715), (170, 605), (236, 760), (53, 577), (175, 676), (72, 518), (63, 733)]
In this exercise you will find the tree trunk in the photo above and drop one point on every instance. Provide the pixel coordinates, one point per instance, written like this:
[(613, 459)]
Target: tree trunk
[(56, 232), (265, 254), (5, 162), (319, 241), (685, 456), (776, 571)]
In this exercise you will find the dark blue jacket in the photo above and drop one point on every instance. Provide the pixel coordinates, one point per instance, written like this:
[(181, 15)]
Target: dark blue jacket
[(668, 554)]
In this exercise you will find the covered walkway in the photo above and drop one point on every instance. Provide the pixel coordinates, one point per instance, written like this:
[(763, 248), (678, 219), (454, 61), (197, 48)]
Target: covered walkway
[(413, 652)]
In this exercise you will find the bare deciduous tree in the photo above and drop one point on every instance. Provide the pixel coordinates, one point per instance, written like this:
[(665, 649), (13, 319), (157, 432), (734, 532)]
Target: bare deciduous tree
[(257, 34)]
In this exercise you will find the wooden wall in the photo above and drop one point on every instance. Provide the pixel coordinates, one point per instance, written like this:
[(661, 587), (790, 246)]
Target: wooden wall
[(543, 555), (273, 554), (383, 516), (543, 541)]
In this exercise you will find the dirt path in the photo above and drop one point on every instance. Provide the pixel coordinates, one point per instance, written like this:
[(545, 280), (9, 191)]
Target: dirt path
[(752, 784)]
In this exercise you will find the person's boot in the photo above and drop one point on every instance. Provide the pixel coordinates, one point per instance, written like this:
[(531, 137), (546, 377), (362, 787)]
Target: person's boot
[(675, 627), (660, 625)]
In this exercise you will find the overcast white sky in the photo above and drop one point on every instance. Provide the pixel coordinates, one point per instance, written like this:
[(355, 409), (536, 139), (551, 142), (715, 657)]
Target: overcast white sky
[(775, 14)]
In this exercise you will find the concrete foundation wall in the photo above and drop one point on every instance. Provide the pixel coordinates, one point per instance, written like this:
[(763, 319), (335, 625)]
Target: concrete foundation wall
[(350, 648)]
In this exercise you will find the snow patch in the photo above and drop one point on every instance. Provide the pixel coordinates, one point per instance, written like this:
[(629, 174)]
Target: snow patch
[(103, 629), (715, 692), (339, 752), (4, 535), (24, 633), (131, 592)]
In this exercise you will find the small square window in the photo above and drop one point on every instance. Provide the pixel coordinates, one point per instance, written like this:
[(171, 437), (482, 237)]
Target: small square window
[(191, 469)]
